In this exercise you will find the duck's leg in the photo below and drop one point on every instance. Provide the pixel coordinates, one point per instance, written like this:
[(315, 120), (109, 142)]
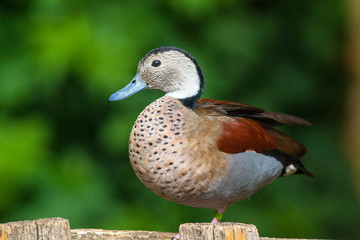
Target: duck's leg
[(218, 215)]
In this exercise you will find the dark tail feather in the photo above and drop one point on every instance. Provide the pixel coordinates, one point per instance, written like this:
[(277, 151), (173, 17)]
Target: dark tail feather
[(302, 170)]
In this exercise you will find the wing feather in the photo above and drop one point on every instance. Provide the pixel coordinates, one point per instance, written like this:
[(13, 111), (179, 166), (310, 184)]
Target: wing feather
[(249, 128)]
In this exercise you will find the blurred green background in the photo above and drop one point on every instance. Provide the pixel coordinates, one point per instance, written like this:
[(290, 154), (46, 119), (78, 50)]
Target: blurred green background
[(63, 146)]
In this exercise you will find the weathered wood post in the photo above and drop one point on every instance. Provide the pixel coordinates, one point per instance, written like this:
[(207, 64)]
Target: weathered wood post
[(47, 228), (221, 231)]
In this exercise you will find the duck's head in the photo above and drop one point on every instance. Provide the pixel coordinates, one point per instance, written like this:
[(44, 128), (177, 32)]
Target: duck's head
[(169, 69)]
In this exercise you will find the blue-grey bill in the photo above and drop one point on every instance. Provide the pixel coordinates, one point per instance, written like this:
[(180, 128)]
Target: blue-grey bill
[(136, 85)]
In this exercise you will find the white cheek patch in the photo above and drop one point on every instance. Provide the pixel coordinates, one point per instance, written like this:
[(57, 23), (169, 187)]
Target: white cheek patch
[(189, 84), (185, 93)]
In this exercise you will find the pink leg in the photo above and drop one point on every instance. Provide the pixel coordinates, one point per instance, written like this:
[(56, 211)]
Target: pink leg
[(215, 220), (218, 215)]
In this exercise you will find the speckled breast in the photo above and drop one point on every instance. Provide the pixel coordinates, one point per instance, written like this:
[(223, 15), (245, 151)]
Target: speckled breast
[(166, 156)]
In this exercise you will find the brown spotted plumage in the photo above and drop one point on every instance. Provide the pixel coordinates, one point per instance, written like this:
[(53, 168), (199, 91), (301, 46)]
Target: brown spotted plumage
[(204, 153), (168, 159)]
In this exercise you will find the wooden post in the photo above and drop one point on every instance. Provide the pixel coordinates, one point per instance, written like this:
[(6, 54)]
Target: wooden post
[(219, 231), (42, 229)]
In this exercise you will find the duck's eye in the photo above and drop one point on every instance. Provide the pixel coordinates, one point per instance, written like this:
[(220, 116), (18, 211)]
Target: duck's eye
[(156, 63)]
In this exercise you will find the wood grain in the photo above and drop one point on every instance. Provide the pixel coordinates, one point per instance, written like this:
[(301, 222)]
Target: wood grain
[(219, 231)]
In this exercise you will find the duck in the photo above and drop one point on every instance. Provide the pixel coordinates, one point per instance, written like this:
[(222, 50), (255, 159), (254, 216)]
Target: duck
[(204, 153)]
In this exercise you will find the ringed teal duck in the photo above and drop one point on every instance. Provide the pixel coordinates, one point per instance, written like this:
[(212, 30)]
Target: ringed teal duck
[(204, 153)]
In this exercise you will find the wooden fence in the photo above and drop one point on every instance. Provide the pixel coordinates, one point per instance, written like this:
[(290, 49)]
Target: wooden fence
[(59, 229)]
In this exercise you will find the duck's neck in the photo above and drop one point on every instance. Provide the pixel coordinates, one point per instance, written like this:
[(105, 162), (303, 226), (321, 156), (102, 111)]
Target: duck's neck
[(190, 93), (190, 102)]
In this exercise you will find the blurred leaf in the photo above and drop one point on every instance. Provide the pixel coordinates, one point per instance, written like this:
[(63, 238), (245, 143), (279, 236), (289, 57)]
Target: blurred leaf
[(23, 148)]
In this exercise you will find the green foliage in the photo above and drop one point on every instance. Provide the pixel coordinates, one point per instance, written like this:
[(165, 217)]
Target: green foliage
[(63, 147)]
